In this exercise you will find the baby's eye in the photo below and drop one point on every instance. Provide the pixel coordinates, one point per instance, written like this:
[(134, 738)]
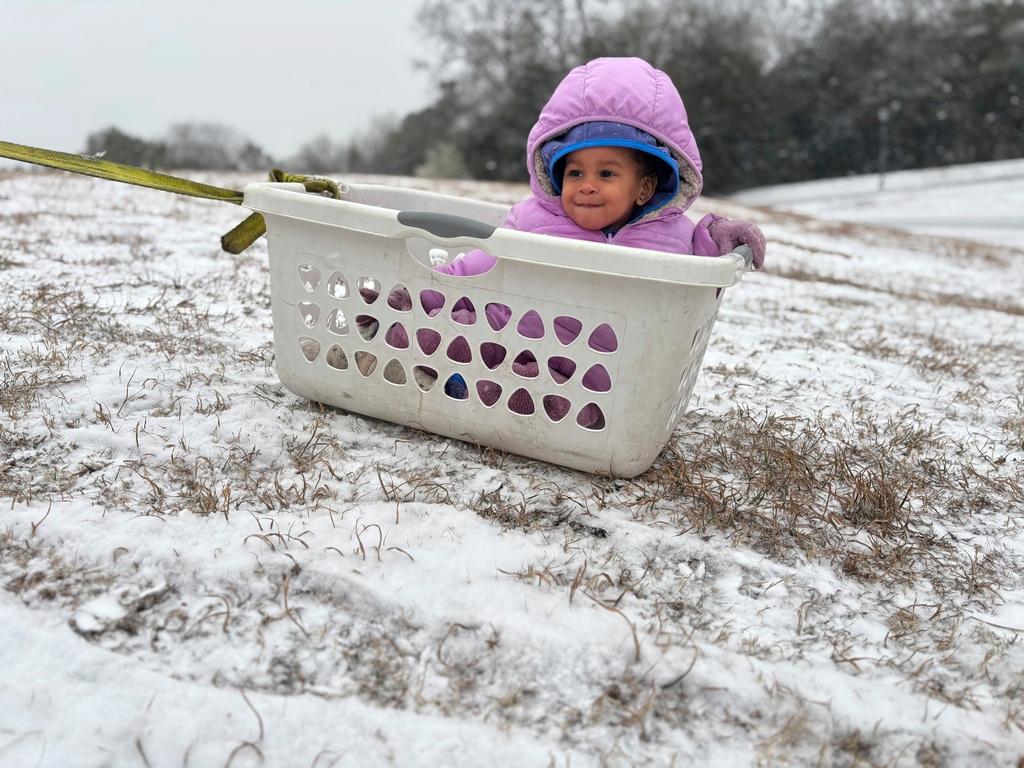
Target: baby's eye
[(606, 174), (573, 173)]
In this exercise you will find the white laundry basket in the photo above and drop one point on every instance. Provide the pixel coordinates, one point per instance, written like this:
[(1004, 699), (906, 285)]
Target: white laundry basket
[(327, 256)]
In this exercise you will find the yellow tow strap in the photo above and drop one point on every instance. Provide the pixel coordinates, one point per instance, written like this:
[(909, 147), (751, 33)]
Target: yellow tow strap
[(235, 241)]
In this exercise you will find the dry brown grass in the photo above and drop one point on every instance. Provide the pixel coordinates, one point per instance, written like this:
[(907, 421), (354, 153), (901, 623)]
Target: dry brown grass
[(859, 493), (1013, 422)]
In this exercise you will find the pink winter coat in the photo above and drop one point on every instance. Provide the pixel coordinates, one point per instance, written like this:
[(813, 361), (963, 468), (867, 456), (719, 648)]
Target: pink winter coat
[(623, 90)]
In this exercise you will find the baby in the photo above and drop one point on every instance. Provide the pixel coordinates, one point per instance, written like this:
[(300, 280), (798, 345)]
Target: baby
[(611, 159)]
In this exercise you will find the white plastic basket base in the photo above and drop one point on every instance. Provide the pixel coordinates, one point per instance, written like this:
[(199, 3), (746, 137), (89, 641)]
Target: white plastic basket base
[(357, 325)]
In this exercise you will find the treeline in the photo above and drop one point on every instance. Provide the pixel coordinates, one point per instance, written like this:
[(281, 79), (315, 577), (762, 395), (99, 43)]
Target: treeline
[(187, 145), (776, 91)]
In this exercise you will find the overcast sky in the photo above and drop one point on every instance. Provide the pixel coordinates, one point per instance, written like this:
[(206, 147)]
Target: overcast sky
[(278, 72)]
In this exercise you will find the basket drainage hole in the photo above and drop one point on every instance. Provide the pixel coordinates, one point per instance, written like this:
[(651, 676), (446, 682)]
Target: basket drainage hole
[(561, 369), (531, 326), (310, 348), (521, 402), (597, 379), (525, 365), (336, 322), (456, 387), (489, 392), (591, 417), (367, 326), (432, 301), (556, 407), (459, 351), (369, 288), (603, 339), (336, 358), (366, 362), (397, 336), (337, 286), (310, 313), (395, 373), (425, 377), (463, 312), (428, 339), (567, 329), (309, 276), (498, 315), (399, 299), (492, 354)]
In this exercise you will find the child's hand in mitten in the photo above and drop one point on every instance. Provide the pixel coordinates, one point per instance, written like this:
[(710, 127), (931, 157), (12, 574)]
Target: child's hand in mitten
[(728, 234)]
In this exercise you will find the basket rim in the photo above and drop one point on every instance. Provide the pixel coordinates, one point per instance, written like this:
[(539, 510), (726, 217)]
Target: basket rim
[(291, 201)]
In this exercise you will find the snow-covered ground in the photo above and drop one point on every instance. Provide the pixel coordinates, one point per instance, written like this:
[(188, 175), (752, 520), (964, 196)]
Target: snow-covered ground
[(982, 202), (825, 567)]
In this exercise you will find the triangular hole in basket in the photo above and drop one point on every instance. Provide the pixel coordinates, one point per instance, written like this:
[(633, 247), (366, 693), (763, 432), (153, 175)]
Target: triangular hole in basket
[(397, 336), (531, 325), (498, 315), (521, 402), (525, 365), (492, 354), (425, 377), (337, 323), (489, 392), (591, 417), (336, 358), (367, 326), (459, 351), (432, 301), (603, 339), (561, 369), (369, 289), (597, 379), (394, 373), (310, 313), (456, 387), (366, 362), (337, 286), (463, 312), (309, 277), (567, 329), (428, 339), (399, 299), (310, 348), (556, 407)]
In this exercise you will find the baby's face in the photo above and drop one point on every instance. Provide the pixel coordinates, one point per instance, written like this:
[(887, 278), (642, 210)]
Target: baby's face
[(601, 185)]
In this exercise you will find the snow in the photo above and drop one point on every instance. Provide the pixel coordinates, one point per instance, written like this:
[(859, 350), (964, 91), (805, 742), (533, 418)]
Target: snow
[(200, 567), (983, 202)]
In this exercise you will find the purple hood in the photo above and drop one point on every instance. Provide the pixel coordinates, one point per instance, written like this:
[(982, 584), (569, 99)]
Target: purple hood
[(622, 90)]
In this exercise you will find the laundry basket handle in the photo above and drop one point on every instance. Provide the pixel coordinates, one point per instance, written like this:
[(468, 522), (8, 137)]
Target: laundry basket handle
[(445, 225), (747, 254)]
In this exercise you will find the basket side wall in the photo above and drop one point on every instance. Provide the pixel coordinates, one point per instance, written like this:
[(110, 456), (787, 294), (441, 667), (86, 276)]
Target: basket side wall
[(661, 330)]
